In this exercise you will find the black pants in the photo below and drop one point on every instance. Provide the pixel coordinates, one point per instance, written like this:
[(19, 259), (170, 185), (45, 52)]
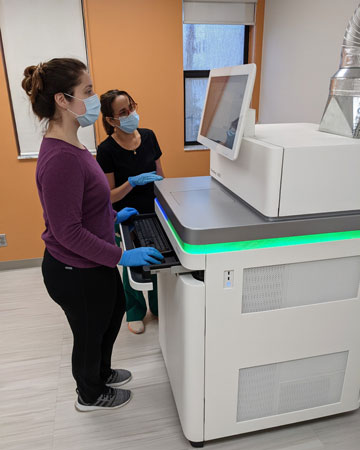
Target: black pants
[(94, 303)]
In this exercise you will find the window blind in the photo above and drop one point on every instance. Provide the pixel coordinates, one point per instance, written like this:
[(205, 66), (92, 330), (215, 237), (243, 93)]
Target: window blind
[(34, 32), (240, 12)]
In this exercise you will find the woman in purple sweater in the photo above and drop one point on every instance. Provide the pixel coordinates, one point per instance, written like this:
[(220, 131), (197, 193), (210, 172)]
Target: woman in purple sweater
[(80, 261)]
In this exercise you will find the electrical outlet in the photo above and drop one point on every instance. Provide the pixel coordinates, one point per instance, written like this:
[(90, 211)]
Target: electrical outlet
[(3, 242)]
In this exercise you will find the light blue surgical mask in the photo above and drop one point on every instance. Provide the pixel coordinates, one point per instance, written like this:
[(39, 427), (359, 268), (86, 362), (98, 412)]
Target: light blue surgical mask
[(130, 123), (92, 105)]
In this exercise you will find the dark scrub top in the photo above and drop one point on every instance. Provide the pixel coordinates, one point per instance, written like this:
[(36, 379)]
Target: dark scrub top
[(126, 163)]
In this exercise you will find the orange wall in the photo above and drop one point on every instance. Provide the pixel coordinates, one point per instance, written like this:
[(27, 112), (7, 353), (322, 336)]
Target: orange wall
[(255, 52), (20, 211), (135, 45)]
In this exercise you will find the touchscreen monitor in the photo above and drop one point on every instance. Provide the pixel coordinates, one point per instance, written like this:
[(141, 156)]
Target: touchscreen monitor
[(227, 101)]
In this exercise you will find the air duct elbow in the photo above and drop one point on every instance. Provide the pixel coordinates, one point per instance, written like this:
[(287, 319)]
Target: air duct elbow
[(342, 111)]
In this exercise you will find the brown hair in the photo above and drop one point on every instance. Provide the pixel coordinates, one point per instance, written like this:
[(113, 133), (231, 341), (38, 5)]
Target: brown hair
[(43, 81), (106, 101)]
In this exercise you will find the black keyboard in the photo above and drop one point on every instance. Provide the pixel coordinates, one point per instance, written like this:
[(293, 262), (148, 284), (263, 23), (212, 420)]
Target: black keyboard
[(150, 234)]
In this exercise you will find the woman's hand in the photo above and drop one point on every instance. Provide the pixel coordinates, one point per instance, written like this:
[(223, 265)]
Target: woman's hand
[(125, 213), (141, 256), (144, 178)]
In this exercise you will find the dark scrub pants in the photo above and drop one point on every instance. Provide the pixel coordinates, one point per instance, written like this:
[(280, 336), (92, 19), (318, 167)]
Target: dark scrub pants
[(94, 303)]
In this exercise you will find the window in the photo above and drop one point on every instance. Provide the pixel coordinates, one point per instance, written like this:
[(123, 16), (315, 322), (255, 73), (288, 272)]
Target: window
[(207, 46)]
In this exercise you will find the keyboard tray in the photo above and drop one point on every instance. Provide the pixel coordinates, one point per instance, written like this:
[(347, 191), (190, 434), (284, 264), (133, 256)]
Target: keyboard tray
[(131, 241)]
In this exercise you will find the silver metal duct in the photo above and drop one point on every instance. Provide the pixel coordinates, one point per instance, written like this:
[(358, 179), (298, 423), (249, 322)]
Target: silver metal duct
[(342, 111)]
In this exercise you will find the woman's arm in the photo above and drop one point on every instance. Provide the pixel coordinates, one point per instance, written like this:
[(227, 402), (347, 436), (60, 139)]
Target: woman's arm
[(159, 169), (117, 193)]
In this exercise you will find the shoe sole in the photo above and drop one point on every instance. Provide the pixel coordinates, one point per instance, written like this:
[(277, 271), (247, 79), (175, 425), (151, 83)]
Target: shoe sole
[(84, 408), (120, 383)]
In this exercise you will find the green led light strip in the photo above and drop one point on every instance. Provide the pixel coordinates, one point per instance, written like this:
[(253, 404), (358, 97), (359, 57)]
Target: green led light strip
[(263, 243)]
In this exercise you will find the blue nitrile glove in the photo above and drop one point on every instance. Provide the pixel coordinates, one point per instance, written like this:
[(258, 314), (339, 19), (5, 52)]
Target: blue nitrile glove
[(144, 178), (125, 213), (141, 256)]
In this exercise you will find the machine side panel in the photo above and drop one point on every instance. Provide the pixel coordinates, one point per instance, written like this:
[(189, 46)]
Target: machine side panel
[(254, 176), (181, 335), (320, 179), (293, 361)]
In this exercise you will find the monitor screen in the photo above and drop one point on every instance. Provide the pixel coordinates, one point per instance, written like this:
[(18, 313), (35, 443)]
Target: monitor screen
[(227, 101)]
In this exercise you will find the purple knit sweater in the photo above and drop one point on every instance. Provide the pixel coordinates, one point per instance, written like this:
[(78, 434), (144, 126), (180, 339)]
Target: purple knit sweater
[(75, 197)]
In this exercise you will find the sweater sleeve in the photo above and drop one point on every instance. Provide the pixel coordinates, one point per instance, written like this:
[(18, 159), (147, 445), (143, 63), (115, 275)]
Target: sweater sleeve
[(63, 187)]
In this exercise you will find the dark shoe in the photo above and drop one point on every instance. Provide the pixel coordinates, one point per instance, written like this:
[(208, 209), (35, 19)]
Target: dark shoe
[(118, 377), (110, 399)]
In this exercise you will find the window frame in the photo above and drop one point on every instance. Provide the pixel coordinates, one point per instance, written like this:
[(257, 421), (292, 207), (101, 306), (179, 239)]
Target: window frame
[(193, 74)]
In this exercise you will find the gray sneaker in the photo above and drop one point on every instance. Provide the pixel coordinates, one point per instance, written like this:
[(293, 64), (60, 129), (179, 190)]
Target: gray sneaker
[(110, 399), (118, 377)]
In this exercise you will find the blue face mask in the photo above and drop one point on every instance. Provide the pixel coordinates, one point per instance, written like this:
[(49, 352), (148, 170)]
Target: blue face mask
[(130, 123), (92, 105)]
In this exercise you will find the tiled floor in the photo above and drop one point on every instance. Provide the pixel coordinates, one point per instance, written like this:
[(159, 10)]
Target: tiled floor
[(37, 390)]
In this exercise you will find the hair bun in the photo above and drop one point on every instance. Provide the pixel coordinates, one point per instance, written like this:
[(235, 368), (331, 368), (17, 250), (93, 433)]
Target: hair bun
[(32, 82)]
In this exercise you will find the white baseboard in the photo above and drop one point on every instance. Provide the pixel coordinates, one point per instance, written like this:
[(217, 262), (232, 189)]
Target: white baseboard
[(20, 264)]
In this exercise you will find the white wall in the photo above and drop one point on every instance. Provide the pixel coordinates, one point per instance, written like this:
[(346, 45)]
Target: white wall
[(301, 52)]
